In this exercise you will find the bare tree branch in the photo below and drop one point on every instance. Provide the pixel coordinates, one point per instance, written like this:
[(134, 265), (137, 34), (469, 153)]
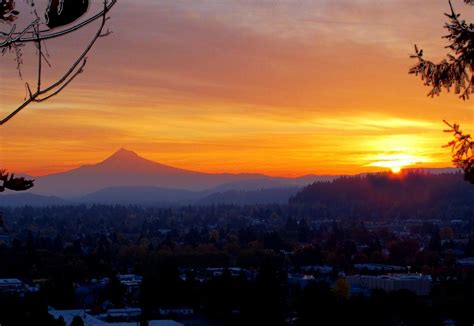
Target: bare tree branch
[(75, 69), (28, 36)]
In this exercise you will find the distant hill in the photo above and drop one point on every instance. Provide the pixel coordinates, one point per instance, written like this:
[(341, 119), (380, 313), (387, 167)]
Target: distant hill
[(271, 183), (27, 199), (361, 194), (153, 196), (407, 194), (239, 197), (140, 195), (126, 168)]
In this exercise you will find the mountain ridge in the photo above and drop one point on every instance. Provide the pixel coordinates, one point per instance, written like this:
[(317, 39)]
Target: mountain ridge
[(127, 168)]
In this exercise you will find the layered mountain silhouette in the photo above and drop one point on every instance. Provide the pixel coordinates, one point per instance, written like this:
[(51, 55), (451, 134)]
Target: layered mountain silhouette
[(126, 178), (125, 168)]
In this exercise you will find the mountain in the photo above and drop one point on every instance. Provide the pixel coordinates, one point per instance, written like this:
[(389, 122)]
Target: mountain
[(126, 178), (125, 168), (161, 196)]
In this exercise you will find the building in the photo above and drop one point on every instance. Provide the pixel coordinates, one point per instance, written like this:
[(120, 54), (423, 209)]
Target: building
[(466, 262), (181, 312), (131, 282), (130, 279), (417, 283), (5, 239), (380, 268), (90, 320), (322, 269), (300, 279), (11, 285)]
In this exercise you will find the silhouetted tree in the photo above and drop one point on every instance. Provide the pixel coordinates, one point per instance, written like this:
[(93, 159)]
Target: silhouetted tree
[(9, 181), (462, 147), (77, 321), (456, 71), (115, 291)]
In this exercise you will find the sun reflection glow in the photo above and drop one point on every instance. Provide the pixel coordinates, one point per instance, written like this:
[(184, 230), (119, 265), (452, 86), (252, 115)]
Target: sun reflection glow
[(395, 162)]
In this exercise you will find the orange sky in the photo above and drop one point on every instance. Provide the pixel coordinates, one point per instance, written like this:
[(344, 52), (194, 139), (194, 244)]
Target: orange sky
[(279, 87)]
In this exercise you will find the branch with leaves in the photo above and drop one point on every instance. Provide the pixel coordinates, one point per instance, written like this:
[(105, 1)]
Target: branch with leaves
[(462, 147), (456, 71), (9, 181)]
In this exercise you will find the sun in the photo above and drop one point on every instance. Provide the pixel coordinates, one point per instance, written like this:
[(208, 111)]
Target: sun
[(396, 169)]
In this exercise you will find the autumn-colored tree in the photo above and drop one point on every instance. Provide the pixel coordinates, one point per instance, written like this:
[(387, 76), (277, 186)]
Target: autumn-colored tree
[(342, 289), (456, 72)]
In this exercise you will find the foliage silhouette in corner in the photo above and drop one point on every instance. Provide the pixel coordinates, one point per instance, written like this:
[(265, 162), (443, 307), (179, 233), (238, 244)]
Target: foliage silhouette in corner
[(456, 72)]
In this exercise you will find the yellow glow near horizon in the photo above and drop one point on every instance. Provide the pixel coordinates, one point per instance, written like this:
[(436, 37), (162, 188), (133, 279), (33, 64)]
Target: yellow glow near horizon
[(396, 162), (218, 89)]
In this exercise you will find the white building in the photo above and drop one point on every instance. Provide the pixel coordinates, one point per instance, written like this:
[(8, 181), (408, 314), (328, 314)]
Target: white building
[(11, 285), (90, 320), (131, 279), (417, 283)]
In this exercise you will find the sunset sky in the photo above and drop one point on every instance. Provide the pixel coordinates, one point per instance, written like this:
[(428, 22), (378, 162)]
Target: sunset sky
[(281, 87)]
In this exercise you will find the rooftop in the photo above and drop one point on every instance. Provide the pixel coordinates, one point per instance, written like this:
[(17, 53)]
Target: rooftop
[(10, 281)]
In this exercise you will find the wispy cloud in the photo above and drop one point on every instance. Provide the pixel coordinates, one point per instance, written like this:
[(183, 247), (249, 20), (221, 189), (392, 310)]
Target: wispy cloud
[(283, 87)]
